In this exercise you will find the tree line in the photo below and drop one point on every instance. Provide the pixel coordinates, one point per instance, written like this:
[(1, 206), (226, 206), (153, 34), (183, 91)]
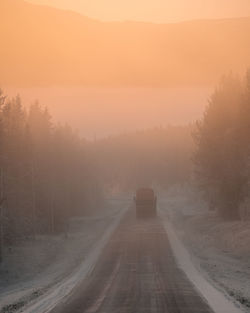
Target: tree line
[(222, 155), (47, 174), (160, 156)]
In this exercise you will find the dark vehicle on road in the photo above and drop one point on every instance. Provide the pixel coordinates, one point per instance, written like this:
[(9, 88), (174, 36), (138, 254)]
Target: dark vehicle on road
[(145, 202)]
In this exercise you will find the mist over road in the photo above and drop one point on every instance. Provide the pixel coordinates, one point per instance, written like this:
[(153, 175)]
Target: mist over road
[(136, 272)]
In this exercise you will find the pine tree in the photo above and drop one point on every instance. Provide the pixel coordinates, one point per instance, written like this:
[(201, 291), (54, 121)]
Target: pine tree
[(220, 163)]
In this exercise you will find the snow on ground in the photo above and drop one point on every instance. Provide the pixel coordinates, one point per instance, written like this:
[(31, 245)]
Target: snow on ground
[(36, 275), (219, 250)]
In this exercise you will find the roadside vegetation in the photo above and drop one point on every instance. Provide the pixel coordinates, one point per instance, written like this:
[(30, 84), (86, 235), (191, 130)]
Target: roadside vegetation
[(222, 155), (46, 174)]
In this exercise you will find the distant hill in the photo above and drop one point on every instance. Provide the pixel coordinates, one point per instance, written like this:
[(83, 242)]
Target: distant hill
[(40, 45)]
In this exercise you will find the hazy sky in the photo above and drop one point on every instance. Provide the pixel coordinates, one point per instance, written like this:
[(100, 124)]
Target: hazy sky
[(154, 10), (100, 111)]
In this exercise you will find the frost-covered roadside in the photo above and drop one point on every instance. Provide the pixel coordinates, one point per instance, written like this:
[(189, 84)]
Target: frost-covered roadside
[(219, 250), (64, 263)]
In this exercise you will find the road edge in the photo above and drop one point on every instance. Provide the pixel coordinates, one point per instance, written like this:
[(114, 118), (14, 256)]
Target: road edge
[(218, 302), (61, 291)]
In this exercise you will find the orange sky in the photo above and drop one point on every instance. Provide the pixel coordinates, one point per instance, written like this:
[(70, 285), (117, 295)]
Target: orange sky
[(45, 48), (154, 10)]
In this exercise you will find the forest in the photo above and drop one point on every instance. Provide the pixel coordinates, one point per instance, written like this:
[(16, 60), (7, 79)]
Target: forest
[(47, 173), (222, 154), (158, 157), (50, 174)]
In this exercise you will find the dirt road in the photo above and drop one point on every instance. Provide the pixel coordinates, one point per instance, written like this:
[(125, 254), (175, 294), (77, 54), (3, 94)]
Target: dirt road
[(136, 273)]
